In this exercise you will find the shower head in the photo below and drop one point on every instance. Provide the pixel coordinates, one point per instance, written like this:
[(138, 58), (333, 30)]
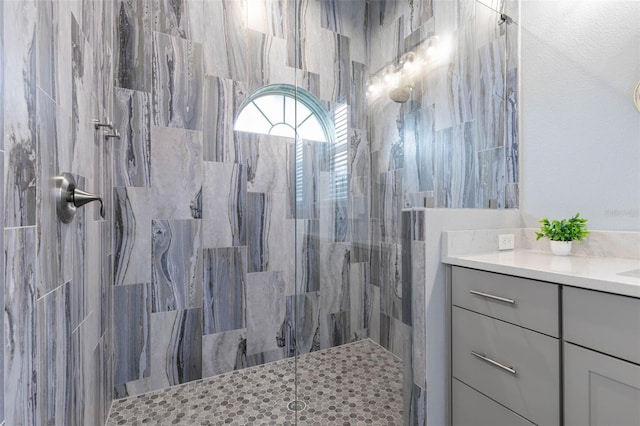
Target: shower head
[(400, 94)]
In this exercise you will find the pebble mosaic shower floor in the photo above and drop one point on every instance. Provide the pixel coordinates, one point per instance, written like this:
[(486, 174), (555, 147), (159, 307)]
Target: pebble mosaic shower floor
[(355, 384)]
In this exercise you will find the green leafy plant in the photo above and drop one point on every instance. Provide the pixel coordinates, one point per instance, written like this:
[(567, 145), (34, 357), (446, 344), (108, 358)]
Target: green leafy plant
[(572, 229)]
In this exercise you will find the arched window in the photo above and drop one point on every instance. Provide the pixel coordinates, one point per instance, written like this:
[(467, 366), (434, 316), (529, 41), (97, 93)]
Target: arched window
[(284, 110)]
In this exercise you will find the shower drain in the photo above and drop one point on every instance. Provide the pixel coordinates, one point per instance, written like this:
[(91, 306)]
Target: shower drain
[(296, 406)]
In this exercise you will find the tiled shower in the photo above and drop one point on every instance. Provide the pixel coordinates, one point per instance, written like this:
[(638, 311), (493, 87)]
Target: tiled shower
[(205, 263)]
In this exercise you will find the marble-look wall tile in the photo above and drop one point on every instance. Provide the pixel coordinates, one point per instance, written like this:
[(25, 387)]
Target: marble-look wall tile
[(224, 205), (269, 166), (336, 330), (511, 128), (265, 311), (79, 291), (177, 82), (222, 100), (20, 349), (394, 335), (419, 161), (132, 235), (308, 262), (223, 352), (334, 220), (358, 98), (407, 268), (267, 61), (336, 84), (225, 282), (391, 187), (390, 279), (221, 28), (132, 353), (358, 279), (300, 331), (350, 20), (418, 407), (372, 312), (511, 196), (133, 45), (84, 105), (131, 153), (419, 319), (54, 362), (176, 173), (268, 17), (334, 279), (490, 92), (176, 268), (176, 339), (19, 135), (270, 236), (492, 179), (54, 238), (171, 17)]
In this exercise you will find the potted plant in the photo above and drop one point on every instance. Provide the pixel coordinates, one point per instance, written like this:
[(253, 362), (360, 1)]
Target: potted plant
[(562, 232)]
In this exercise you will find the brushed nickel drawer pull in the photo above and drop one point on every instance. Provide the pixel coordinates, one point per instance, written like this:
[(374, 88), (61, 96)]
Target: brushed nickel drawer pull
[(492, 362), (491, 296)]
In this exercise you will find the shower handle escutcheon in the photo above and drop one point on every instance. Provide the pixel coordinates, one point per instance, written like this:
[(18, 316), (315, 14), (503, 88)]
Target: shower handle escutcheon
[(69, 197)]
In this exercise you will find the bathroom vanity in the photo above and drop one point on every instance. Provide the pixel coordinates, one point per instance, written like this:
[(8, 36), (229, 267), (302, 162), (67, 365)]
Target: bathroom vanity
[(546, 340)]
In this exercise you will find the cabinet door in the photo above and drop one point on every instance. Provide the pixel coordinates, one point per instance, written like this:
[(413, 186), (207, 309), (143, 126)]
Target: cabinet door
[(471, 408), (599, 390)]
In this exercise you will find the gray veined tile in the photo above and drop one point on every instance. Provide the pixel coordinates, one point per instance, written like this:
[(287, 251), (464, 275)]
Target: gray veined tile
[(176, 172), (308, 261), (511, 128), (490, 95), (336, 330), (54, 357), (270, 236), (492, 178), (372, 312), (132, 62), (224, 198), (391, 186), (177, 82), (267, 61), (418, 151), (132, 327), (131, 153), (265, 311), (390, 279), (394, 335), (20, 350), (222, 100), (171, 17), (79, 281), (300, 331), (268, 17), (19, 120), (223, 352), (223, 36), (54, 238), (358, 279), (269, 168), (225, 281), (132, 235), (334, 279), (176, 265)]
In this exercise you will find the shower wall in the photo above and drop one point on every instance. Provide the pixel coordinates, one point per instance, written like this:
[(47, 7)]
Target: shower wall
[(56, 78), (454, 144), (212, 255)]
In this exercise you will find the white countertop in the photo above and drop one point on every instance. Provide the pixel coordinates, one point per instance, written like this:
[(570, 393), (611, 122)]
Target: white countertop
[(595, 273)]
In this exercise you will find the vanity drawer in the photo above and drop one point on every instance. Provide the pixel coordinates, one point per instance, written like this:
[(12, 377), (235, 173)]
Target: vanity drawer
[(531, 388), (471, 408), (527, 303), (605, 322)]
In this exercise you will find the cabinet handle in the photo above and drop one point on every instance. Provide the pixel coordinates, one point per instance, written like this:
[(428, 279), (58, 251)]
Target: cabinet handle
[(491, 296), (493, 362)]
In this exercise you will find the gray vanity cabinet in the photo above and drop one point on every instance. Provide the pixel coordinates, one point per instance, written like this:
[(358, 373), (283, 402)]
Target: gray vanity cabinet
[(601, 359), (505, 350)]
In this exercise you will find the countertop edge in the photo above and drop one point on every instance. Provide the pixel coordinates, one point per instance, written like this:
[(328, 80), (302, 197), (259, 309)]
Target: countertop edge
[(579, 281)]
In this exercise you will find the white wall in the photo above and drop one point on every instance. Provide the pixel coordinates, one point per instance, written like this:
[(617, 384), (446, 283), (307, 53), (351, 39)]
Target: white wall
[(580, 132)]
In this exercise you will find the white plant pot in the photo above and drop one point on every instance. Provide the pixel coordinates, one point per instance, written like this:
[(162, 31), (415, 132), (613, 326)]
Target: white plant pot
[(561, 248)]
